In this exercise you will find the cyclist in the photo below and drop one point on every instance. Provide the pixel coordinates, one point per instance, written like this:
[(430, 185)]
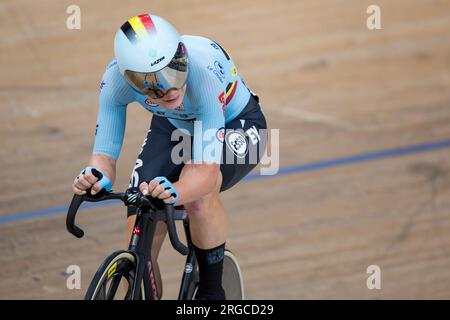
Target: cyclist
[(193, 89)]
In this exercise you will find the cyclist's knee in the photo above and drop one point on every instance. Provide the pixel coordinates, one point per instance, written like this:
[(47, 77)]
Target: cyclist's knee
[(199, 207), (204, 205)]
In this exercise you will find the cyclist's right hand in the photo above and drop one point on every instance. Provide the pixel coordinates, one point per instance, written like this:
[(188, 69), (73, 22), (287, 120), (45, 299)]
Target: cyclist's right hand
[(87, 180)]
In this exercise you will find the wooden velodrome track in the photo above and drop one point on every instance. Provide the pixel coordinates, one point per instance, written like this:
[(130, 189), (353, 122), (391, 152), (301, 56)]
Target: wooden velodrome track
[(334, 89)]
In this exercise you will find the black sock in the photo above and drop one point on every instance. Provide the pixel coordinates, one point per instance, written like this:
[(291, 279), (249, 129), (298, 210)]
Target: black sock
[(210, 266)]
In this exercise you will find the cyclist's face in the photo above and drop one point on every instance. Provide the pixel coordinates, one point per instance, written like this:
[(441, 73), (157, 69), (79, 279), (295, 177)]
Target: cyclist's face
[(172, 99)]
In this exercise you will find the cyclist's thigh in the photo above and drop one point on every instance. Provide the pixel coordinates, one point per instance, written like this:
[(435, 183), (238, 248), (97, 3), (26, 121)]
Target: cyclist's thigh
[(244, 144), (155, 157)]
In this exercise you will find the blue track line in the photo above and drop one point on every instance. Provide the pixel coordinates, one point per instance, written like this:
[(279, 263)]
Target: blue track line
[(313, 166), (389, 153)]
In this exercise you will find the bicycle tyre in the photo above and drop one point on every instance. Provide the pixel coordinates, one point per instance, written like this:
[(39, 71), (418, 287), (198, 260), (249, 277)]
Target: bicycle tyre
[(119, 264), (232, 281)]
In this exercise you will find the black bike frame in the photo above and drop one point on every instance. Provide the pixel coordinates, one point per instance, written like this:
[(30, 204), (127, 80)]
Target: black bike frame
[(190, 274), (141, 245)]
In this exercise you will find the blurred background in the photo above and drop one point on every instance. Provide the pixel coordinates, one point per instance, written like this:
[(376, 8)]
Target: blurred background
[(364, 144)]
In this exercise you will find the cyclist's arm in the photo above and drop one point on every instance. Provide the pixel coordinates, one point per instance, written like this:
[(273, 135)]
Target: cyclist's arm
[(101, 162), (114, 97), (105, 164), (109, 134)]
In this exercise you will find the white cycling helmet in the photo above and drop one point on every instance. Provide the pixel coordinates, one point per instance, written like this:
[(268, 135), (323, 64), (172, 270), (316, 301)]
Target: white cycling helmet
[(150, 55)]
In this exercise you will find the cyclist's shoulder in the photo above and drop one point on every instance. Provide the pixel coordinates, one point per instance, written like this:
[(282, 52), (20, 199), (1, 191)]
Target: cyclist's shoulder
[(114, 84), (202, 50), (202, 57), (196, 42), (112, 71)]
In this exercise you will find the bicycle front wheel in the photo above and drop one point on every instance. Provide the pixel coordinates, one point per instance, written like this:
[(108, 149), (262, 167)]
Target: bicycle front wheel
[(232, 281), (115, 278)]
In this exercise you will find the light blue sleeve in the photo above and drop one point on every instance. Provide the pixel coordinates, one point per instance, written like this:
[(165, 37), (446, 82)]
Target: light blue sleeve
[(210, 121), (115, 95)]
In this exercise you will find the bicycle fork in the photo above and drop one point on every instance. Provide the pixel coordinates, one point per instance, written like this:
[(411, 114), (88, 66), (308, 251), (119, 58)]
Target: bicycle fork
[(190, 274), (144, 228)]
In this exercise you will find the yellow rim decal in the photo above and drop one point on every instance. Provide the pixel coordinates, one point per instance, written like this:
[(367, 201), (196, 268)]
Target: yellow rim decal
[(112, 270)]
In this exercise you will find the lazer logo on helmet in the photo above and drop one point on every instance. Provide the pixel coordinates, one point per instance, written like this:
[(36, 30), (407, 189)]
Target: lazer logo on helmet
[(158, 61)]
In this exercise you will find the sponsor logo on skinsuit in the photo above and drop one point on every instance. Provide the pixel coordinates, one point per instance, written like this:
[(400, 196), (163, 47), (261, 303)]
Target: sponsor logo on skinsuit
[(219, 68), (220, 134), (222, 101), (237, 143), (112, 64), (253, 134), (180, 108), (102, 84), (218, 71)]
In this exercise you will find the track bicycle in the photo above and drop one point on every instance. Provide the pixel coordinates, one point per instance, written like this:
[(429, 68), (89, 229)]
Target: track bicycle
[(128, 274)]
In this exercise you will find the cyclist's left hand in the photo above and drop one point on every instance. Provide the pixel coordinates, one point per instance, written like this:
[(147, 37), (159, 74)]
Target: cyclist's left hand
[(161, 188)]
